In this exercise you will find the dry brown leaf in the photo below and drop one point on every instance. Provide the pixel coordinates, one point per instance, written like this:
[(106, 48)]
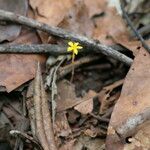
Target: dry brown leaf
[(94, 132), (61, 126), (106, 99), (77, 20), (110, 27), (86, 106), (67, 97), (133, 45), (10, 32), (51, 12), (17, 69), (95, 6), (134, 99), (141, 140)]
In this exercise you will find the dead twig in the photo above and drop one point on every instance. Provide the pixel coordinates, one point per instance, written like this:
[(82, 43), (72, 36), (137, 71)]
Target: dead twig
[(52, 49), (67, 69), (58, 32), (134, 29), (34, 48), (100, 118), (54, 89), (145, 30)]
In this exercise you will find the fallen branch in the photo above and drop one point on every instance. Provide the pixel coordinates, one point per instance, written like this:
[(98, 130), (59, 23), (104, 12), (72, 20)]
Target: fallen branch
[(58, 32), (68, 68), (52, 49), (34, 48)]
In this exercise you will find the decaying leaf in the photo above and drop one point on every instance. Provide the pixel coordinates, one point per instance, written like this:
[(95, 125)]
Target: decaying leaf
[(17, 69), (61, 127), (95, 7), (107, 98), (77, 19), (51, 12), (106, 30), (9, 32), (132, 108), (86, 106), (67, 97), (141, 140)]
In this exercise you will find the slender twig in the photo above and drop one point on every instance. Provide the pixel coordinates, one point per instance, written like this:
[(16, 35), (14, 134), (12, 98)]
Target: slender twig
[(145, 30), (134, 29), (68, 68), (58, 32), (54, 91), (100, 118)]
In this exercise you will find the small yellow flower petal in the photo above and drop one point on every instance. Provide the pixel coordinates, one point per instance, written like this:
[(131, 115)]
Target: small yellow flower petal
[(75, 51), (79, 47), (76, 44), (69, 49), (74, 47), (70, 43)]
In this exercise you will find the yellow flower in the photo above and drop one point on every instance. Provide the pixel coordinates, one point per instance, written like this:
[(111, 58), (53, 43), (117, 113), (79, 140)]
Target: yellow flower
[(74, 47)]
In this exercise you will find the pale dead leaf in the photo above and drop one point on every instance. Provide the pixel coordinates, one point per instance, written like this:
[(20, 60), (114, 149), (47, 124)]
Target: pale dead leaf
[(110, 26), (17, 69), (67, 97), (51, 12), (134, 98), (86, 106), (105, 97), (77, 20), (61, 126), (95, 6)]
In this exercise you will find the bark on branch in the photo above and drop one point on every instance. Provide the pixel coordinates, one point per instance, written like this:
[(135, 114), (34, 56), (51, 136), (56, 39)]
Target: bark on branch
[(58, 32)]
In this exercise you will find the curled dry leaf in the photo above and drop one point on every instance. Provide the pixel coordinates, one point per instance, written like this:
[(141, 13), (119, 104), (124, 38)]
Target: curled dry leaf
[(132, 108)]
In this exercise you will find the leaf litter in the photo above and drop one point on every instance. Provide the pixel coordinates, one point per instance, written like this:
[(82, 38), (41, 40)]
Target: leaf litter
[(104, 107)]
